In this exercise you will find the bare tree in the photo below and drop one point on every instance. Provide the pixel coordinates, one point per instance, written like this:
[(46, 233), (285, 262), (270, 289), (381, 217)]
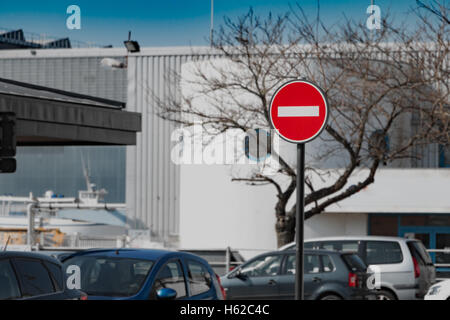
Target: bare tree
[(387, 90), (436, 8)]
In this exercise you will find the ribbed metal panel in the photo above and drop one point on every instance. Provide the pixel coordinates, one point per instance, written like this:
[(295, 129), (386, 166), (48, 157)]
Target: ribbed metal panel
[(60, 168), (152, 178), (78, 74)]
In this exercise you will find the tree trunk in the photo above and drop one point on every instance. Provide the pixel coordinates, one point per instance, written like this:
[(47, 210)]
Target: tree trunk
[(285, 228)]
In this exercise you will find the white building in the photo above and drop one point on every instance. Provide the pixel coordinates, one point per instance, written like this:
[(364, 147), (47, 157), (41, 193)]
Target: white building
[(198, 206)]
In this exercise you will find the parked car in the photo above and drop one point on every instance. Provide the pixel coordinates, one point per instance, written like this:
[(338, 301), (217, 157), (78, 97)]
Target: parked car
[(439, 291), (142, 274), (328, 275), (33, 276), (405, 267)]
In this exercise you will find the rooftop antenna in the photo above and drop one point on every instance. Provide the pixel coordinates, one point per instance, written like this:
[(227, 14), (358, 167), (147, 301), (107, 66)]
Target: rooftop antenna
[(7, 242)]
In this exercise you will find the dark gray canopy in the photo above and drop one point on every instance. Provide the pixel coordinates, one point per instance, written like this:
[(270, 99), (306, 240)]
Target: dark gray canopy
[(48, 116)]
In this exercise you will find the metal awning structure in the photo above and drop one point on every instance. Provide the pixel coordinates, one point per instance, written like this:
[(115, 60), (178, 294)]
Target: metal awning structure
[(51, 117)]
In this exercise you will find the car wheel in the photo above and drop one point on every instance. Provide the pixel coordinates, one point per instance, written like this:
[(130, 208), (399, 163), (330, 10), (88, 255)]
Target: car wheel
[(385, 295), (331, 297)]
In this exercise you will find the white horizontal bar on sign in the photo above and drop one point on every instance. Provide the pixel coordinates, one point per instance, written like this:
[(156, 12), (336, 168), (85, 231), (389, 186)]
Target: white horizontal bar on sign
[(303, 111)]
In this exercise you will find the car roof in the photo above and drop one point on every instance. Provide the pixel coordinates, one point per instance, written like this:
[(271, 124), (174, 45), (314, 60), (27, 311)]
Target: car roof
[(343, 238), (309, 251), (353, 238), (26, 254), (138, 253)]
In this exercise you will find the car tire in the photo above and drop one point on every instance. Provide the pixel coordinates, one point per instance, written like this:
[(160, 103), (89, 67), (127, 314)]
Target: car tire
[(330, 297), (385, 295)]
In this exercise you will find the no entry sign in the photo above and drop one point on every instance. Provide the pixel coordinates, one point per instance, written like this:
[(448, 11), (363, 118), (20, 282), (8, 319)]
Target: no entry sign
[(298, 111)]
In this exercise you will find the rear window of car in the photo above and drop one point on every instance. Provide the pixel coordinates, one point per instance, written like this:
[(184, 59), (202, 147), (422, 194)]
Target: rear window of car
[(354, 262), (383, 252), (108, 276), (419, 252), (34, 277), (9, 288)]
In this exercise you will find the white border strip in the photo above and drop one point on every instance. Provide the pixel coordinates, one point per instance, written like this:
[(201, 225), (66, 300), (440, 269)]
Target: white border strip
[(294, 111)]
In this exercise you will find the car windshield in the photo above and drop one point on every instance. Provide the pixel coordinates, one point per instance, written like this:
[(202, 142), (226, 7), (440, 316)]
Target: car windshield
[(113, 277)]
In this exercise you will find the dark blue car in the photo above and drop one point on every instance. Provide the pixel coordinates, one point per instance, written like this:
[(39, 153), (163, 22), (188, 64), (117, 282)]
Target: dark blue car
[(33, 276), (142, 274)]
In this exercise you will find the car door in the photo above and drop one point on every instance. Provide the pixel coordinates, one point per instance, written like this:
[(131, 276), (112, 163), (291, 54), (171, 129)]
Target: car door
[(257, 279), (287, 278), (170, 275), (200, 281), (311, 277), (427, 270)]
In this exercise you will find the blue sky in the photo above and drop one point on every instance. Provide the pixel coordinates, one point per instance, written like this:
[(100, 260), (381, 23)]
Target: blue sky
[(167, 22)]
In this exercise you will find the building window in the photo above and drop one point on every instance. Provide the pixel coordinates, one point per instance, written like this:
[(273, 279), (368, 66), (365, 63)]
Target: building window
[(444, 156), (381, 225)]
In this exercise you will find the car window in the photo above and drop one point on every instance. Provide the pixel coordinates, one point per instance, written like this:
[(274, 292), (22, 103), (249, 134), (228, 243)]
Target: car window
[(289, 266), (9, 288), (383, 252), (310, 245), (170, 276), (110, 276), (343, 246), (34, 277), (56, 273), (200, 280), (311, 264), (327, 263), (263, 266), (354, 262), (419, 252)]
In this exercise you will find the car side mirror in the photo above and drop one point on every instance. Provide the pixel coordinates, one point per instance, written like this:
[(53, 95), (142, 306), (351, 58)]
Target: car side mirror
[(241, 275), (166, 294)]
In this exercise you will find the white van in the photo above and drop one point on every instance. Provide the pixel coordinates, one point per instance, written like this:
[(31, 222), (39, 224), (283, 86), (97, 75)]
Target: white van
[(405, 266)]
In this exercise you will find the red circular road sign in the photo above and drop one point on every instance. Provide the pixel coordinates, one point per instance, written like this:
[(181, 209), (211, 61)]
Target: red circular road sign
[(298, 111)]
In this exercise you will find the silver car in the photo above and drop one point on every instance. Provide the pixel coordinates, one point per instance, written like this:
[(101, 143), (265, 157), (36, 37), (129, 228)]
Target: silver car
[(405, 268)]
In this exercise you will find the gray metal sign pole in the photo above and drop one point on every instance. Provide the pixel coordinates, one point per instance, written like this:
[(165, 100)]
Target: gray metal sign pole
[(299, 221)]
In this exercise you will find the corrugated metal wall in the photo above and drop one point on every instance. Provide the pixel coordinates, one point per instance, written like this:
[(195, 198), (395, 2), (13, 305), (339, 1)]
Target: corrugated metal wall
[(152, 178), (78, 74), (60, 168)]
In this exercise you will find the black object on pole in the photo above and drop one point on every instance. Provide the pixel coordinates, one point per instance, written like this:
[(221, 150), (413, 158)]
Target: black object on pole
[(7, 134), (8, 165), (299, 221)]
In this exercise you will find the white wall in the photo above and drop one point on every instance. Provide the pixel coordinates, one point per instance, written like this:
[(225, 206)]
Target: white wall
[(216, 212), (336, 224)]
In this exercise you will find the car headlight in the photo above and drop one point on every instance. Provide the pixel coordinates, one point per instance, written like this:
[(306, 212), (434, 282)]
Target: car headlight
[(434, 290)]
